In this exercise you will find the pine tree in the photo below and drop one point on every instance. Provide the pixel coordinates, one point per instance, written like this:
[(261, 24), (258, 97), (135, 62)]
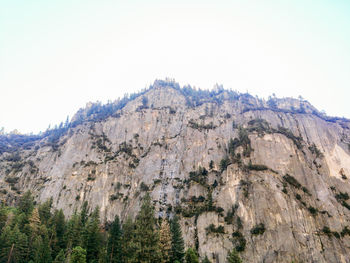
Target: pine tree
[(3, 217), (13, 245), (128, 242), (45, 211), (165, 241), (44, 251), (233, 257), (84, 213), (78, 255), (6, 242), (73, 232), (177, 242), (26, 203), (60, 258), (114, 246), (191, 256), (59, 226), (35, 249), (147, 238), (92, 236), (20, 251)]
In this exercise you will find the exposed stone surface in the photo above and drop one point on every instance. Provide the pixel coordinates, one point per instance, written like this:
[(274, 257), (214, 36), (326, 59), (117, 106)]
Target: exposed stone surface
[(112, 162)]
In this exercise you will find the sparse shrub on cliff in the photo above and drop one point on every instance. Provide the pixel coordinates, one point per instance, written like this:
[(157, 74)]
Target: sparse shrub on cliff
[(239, 241), (292, 181), (314, 150), (200, 127), (312, 210), (199, 176), (259, 229), (144, 187), (256, 167), (260, 126), (211, 164), (230, 215), (213, 229), (244, 141), (224, 163), (345, 231), (297, 140)]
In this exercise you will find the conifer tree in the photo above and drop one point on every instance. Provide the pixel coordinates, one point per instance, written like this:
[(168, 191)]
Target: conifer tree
[(84, 213), (73, 232), (35, 248), (165, 241), (78, 255), (13, 245), (45, 211), (191, 256), (177, 242), (114, 246), (59, 227), (20, 251), (3, 217), (44, 249), (60, 258), (26, 203), (147, 238), (233, 257), (92, 237), (6, 242), (128, 242)]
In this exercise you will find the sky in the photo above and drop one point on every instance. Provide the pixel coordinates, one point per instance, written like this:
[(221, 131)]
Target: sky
[(57, 55)]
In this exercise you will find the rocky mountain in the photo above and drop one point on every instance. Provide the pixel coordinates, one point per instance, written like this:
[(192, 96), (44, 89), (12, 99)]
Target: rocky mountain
[(270, 178)]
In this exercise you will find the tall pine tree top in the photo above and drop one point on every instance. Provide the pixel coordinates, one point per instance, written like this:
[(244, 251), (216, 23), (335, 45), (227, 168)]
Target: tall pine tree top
[(147, 238), (177, 242)]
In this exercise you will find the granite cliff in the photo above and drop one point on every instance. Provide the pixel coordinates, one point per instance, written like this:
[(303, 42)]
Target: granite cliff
[(270, 178)]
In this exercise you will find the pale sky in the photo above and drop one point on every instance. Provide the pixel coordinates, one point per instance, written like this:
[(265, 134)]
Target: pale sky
[(57, 55)]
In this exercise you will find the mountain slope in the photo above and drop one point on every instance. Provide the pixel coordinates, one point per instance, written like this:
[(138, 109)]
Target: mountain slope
[(267, 177)]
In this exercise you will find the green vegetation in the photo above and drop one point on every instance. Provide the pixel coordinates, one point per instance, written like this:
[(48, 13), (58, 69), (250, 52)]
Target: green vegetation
[(312, 210), (191, 256), (292, 181), (224, 163), (199, 176), (239, 241), (286, 132), (233, 257), (177, 242), (258, 229), (260, 126), (256, 167), (201, 127), (245, 187), (213, 229), (230, 215), (345, 231), (326, 230), (30, 233), (244, 141), (144, 187), (342, 198), (314, 150)]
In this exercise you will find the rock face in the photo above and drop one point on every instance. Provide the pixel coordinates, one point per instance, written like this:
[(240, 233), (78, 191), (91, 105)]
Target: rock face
[(268, 178)]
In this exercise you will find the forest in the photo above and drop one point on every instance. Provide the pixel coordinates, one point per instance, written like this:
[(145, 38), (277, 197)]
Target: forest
[(37, 233)]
